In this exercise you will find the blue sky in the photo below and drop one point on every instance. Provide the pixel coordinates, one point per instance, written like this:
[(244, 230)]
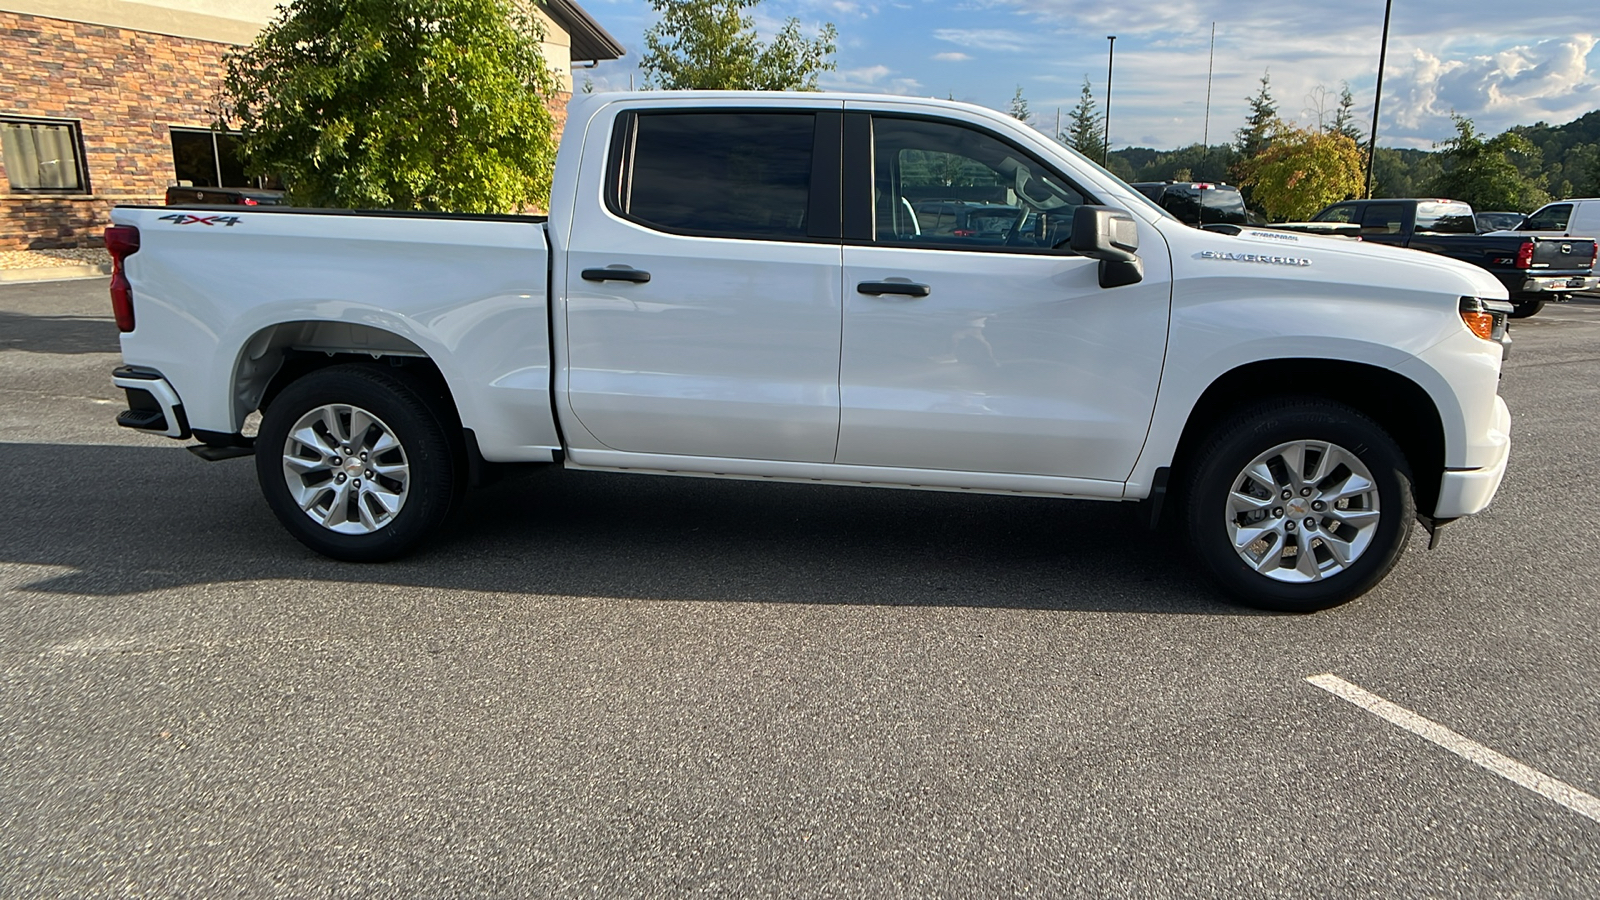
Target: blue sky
[(1532, 65)]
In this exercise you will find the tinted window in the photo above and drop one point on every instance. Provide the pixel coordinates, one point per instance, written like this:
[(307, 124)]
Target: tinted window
[(1001, 197), (1205, 206), (1550, 218), (1335, 214), (722, 174), (1382, 218)]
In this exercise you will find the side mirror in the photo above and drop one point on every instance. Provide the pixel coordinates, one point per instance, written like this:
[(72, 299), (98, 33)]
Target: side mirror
[(1111, 236)]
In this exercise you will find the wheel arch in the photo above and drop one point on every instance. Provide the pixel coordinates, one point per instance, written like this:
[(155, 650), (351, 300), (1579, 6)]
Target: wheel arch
[(277, 355), (1399, 405)]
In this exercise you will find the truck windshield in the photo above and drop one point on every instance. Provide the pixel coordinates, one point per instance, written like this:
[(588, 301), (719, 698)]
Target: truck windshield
[(1446, 218)]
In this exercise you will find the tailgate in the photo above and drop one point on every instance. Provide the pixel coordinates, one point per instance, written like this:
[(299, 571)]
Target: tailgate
[(1562, 254)]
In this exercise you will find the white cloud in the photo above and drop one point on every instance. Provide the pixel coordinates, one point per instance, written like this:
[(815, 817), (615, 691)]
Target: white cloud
[(987, 39), (1549, 79), (952, 56), (869, 79)]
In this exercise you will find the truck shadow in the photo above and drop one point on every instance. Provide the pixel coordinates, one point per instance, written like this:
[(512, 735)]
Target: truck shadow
[(58, 333), (122, 520)]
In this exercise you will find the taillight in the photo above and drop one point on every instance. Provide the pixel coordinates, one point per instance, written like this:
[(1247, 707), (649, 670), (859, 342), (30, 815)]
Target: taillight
[(247, 201), (122, 241), (1525, 255)]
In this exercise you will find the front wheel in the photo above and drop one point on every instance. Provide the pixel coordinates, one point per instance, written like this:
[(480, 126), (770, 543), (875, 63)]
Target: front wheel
[(357, 462), (1298, 506)]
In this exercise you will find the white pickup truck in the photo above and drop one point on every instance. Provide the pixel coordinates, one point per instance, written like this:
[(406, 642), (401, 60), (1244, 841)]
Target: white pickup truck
[(844, 289)]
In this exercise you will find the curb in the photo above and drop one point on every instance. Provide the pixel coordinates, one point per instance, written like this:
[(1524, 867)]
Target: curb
[(53, 273)]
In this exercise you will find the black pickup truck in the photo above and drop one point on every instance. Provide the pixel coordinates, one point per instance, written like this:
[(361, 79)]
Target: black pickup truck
[(1534, 268)]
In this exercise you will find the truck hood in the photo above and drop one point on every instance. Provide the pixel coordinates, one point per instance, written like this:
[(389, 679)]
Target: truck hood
[(1346, 259)]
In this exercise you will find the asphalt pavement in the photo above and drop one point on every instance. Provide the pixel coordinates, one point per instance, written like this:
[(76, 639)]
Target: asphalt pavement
[(634, 686)]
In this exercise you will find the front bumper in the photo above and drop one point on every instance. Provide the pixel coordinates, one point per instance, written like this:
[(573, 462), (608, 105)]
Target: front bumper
[(153, 405), (1464, 492)]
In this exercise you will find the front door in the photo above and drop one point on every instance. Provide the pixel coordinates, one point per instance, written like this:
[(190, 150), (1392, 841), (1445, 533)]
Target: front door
[(703, 305), (970, 342)]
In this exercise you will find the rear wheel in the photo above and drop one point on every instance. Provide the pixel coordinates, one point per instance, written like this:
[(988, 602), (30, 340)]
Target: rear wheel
[(357, 462), (1298, 506), (1521, 309)]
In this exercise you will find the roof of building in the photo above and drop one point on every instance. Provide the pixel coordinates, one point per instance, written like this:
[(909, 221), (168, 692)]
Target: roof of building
[(589, 40)]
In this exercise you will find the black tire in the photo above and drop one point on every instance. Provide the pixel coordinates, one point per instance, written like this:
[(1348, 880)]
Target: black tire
[(1219, 467), (1522, 309), (408, 407)]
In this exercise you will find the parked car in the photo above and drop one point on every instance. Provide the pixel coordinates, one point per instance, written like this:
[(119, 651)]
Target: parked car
[(684, 312), (1198, 203), (1534, 268), (1498, 221), (1579, 217), (179, 195)]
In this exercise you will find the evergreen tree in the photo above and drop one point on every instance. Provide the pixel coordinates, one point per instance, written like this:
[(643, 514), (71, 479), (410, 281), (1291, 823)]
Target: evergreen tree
[(1019, 107), (1344, 119), (1084, 133), (710, 45), (1257, 131)]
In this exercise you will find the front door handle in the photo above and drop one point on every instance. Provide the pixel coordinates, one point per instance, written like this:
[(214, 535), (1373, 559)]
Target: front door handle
[(617, 273), (904, 288)]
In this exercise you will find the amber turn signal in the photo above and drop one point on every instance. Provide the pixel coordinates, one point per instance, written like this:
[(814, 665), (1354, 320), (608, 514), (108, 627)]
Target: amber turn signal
[(1480, 323)]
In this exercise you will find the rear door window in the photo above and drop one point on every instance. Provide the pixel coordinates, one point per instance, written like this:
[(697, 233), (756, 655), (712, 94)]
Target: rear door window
[(1382, 218), (733, 175)]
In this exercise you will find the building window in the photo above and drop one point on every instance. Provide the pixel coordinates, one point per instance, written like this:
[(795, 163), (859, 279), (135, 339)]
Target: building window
[(204, 158), (43, 155)]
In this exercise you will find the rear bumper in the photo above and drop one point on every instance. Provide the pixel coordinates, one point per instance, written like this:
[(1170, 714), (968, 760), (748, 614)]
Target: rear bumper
[(1538, 284), (1463, 492), (153, 405)]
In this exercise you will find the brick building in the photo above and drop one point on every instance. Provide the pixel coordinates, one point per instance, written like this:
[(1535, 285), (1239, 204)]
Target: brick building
[(106, 102)]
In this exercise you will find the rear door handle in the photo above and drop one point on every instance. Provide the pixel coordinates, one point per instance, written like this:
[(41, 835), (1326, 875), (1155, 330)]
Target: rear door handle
[(617, 273), (904, 288)]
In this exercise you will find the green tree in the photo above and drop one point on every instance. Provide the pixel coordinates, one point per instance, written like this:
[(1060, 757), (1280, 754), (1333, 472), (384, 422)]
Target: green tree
[(1257, 131), (1344, 118), (711, 45), (1085, 133), (1302, 170), (425, 104), (1483, 172), (1019, 107), (1403, 172)]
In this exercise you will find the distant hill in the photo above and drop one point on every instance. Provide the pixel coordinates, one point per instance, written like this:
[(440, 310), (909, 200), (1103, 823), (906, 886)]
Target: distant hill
[(1568, 160)]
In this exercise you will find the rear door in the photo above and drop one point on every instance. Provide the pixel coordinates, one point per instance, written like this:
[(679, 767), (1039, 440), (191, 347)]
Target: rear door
[(703, 299)]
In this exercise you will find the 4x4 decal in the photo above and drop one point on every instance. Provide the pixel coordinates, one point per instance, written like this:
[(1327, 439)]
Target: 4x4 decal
[(189, 219)]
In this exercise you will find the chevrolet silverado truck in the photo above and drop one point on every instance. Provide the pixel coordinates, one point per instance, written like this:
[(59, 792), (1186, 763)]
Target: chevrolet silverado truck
[(737, 285), (1534, 268)]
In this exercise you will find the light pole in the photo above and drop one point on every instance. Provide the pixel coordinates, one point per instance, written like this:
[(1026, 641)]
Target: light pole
[(1111, 56), (1211, 62), (1377, 97)]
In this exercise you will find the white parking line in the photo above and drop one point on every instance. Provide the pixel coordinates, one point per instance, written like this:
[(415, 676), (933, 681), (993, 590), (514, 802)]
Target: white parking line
[(1565, 794)]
